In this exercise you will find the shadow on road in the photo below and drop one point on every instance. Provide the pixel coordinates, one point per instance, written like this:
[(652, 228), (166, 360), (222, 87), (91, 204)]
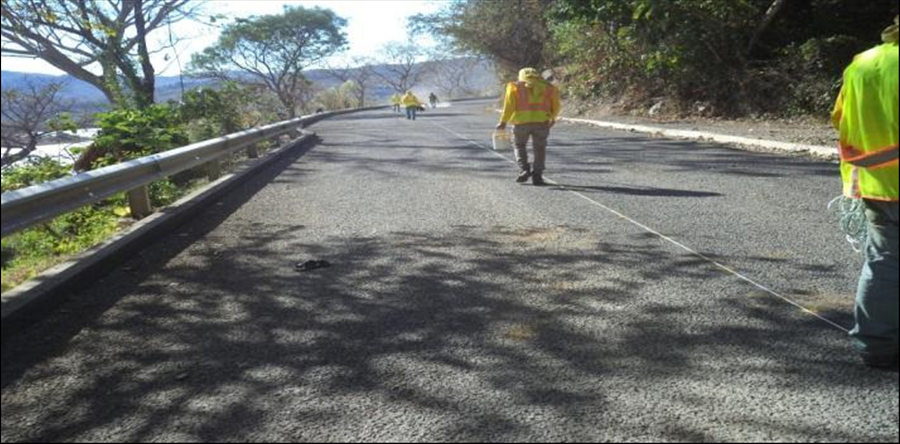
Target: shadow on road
[(213, 345)]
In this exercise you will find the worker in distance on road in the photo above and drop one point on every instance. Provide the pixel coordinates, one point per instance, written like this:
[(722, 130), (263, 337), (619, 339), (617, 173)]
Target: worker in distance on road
[(433, 98), (532, 105), (412, 105), (866, 114), (395, 100)]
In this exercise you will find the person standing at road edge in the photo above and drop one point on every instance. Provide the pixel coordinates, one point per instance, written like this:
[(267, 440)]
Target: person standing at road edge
[(866, 114), (532, 105)]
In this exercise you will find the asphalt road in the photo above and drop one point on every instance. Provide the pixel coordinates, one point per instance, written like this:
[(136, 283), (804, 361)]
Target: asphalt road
[(464, 307)]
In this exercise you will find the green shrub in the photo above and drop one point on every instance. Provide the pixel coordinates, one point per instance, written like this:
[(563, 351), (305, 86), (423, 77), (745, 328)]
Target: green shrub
[(724, 53), (32, 251), (210, 113), (128, 134), (125, 134), (32, 172), (166, 192)]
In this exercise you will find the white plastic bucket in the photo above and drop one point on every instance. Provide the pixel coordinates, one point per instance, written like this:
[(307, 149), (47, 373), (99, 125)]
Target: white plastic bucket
[(502, 140)]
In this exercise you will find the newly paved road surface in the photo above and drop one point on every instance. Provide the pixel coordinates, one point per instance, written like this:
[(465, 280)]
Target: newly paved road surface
[(464, 307)]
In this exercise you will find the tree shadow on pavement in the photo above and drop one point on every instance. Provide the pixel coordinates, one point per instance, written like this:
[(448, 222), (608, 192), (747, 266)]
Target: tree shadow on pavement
[(410, 336)]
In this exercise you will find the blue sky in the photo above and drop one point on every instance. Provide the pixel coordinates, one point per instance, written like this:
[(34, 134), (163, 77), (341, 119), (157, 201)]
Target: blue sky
[(371, 24)]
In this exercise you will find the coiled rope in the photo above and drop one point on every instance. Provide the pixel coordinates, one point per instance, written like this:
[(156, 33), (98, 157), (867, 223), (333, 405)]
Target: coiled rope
[(853, 220)]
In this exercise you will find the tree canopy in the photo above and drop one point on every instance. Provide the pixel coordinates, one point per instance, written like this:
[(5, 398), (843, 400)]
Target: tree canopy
[(273, 50), (737, 56), (512, 32), (103, 43)]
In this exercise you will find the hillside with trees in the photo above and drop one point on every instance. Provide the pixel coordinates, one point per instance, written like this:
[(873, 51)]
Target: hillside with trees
[(719, 58)]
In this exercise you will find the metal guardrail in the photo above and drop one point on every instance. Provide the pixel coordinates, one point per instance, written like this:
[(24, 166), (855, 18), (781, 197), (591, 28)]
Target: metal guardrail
[(30, 206)]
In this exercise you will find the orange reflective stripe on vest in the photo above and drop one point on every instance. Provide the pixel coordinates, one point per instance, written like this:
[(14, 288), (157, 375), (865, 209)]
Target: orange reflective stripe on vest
[(525, 104), (875, 159)]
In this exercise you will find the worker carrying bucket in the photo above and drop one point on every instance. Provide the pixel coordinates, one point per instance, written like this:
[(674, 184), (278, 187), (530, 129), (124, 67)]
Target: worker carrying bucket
[(532, 106), (502, 140)]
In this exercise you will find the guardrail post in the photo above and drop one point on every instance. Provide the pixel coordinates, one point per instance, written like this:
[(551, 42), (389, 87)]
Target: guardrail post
[(214, 170), (139, 201), (253, 151)]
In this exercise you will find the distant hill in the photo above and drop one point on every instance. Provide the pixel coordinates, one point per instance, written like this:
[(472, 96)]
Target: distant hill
[(85, 95), (88, 98)]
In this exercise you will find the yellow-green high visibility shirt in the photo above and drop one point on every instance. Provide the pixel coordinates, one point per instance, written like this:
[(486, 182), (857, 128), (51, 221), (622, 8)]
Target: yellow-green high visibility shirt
[(866, 114)]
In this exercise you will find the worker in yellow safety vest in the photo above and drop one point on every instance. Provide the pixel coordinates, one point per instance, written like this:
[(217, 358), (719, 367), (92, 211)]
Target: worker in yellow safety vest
[(532, 105), (412, 105), (395, 100), (866, 116)]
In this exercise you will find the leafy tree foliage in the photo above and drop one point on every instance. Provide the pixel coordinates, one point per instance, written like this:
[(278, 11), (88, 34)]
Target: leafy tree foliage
[(742, 56), (512, 32), (735, 57), (273, 50)]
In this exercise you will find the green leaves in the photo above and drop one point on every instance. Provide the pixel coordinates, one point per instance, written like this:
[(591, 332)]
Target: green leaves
[(130, 134), (697, 50), (273, 50), (34, 171)]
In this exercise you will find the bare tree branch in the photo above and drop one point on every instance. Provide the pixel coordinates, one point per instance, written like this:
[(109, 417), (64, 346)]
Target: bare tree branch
[(404, 69), (74, 35), (25, 115)]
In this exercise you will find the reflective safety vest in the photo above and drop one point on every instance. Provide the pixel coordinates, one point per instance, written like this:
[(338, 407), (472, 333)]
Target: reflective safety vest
[(867, 116), (533, 106)]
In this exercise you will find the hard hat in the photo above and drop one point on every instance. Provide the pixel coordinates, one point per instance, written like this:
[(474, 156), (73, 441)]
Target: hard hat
[(529, 75), (892, 33)]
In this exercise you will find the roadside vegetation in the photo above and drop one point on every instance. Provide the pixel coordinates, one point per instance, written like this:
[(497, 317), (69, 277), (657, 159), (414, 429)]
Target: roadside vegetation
[(125, 134), (736, 58), (137, 125)]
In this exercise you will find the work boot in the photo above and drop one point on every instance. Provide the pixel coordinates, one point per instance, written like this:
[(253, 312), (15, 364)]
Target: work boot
[(523, 176), (538, 180), (882, 362)]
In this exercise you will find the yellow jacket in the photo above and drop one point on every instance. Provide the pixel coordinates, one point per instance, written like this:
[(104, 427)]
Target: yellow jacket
[(541, 103), (866, 114), (409, 100), (395, 99)]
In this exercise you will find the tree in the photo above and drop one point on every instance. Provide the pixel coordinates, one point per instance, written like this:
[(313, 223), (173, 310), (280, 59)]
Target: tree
[(514, 33), (101, 43), (29, 114), (359, 70), (453, 74), (404, 68), (338, 98), (771, 14), (273, 50)]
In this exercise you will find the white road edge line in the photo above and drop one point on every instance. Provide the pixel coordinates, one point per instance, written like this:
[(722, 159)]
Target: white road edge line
[(680, 245)]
